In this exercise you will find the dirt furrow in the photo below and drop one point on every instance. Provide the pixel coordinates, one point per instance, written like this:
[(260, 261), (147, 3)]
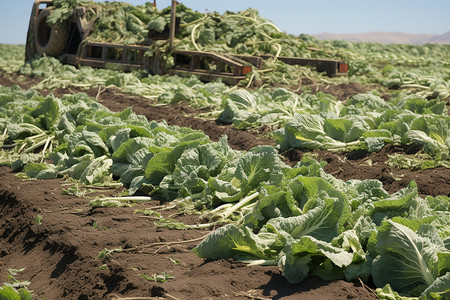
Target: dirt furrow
[(59, 252)]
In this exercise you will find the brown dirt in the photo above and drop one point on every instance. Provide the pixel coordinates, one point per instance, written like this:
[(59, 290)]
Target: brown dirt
[(343, 91), (179, 114), (60, 255), (364, 165)]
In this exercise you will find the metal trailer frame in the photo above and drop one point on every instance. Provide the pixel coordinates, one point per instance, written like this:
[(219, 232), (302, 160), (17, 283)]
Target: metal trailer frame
[(230, 68)]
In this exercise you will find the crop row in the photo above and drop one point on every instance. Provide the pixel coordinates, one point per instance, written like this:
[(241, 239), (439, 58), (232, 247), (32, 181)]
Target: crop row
[(304, 220), (300, 218), (307, 121)]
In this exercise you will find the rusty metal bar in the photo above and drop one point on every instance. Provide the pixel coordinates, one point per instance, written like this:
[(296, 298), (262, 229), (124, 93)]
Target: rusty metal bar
[(122, 46), (213, 55), (173, 14), (329, 66)]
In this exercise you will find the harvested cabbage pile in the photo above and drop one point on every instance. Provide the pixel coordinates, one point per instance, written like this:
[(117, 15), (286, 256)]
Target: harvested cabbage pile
[(244, 32)]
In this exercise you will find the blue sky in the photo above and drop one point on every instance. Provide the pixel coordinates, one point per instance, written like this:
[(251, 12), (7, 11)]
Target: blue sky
[(292, 16)]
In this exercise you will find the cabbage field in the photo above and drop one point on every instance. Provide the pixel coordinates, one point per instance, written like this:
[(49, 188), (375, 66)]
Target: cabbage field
[(289, 184)]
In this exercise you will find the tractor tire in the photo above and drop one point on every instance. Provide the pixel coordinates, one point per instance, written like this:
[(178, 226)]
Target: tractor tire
[(50, 41)]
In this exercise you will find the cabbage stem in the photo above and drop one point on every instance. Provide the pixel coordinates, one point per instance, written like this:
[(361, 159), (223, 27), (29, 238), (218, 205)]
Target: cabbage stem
[(238, 205)]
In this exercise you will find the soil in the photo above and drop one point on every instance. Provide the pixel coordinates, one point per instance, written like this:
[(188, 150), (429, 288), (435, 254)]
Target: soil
[(59, 249), (60, 253)]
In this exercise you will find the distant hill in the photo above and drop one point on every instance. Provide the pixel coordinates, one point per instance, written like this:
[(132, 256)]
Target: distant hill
[(388, 37)]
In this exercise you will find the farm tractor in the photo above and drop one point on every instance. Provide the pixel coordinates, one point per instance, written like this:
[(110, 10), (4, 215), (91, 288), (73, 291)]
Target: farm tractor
[(70, 45)]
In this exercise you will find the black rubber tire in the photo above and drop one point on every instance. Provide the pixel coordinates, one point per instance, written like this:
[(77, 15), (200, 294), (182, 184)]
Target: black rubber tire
[(50, 41)]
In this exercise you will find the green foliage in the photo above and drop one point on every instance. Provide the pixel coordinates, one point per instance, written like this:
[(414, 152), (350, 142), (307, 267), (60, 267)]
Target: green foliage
[(417, 69), (368, 122), (15, 289), (9, 293), (11, 58), (159, 278), (419, 161), (64, 9), (102, 255), (314, 224), (304, 220), (92, 143), (410, 262), (307, 222), (39, 219), (364, 121)]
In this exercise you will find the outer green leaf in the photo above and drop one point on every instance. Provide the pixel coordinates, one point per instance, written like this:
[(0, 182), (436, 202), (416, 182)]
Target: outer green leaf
[(403, 203), (320, 221), (406, 260), (97, 171), (40, 171), (301, 253), (295, 269), (94, 142), (233, 241), (47, 112), (22, 130), (440, 287), (158, 167), (259, 164), (25, 159), (126, 152), (9, 293), (158, 24)]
